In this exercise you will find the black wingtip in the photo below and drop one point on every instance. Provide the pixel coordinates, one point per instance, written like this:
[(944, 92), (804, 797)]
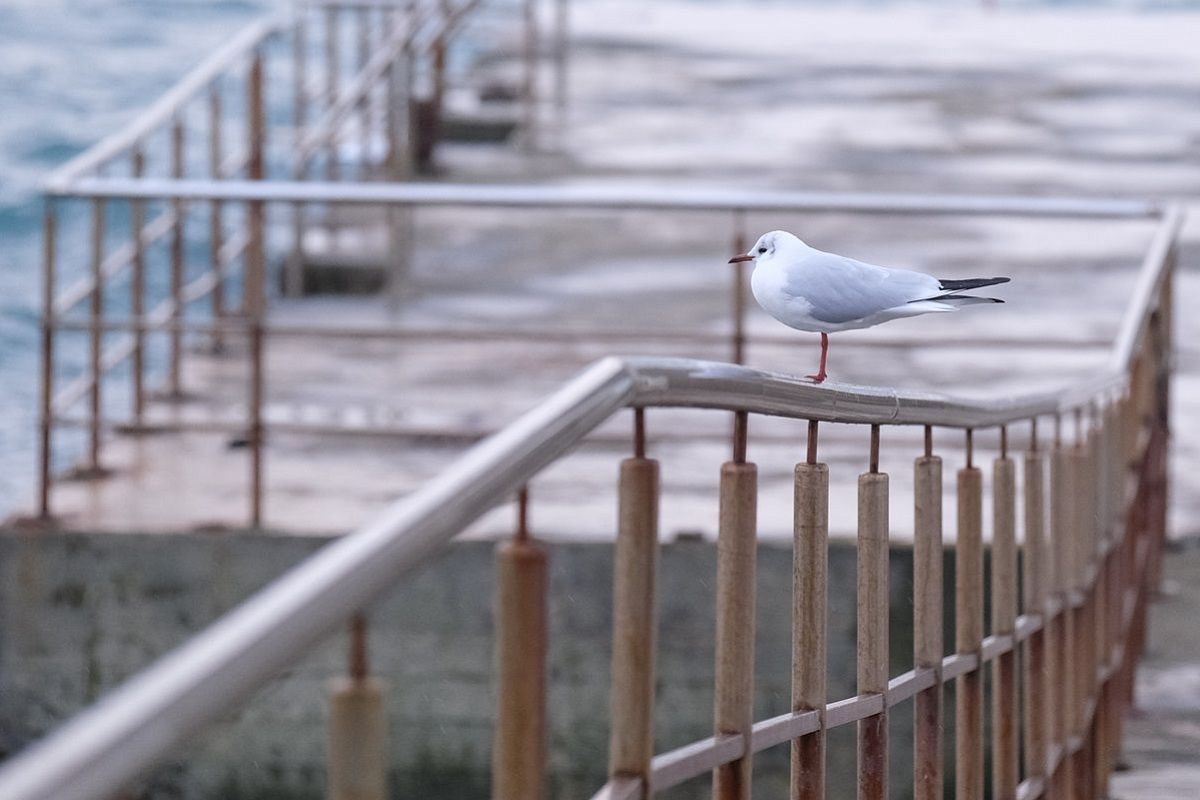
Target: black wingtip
[(951, 285)]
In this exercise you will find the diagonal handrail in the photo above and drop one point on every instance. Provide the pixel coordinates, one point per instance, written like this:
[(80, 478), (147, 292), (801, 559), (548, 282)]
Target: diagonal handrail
[(106, 745)]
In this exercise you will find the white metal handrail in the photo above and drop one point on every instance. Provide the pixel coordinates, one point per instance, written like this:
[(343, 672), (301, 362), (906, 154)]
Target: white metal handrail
[(603, 196), (105, 746)]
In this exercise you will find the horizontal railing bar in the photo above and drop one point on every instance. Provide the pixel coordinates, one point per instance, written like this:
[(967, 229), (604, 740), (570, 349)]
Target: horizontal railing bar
[(600, 196), (233, 164), (234, 248), (994, 646), (783, 728), (620, 789), (958, 664), (115, 262), (705, 384), (903, 687), (852, 709), (692, 760), (166, 107), (1031, 789)]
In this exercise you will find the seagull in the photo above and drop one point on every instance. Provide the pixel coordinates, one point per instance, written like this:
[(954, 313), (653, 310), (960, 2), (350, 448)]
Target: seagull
[(810, 290)]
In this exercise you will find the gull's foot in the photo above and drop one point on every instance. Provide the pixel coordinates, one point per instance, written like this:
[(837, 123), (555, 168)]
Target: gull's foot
[(818, 378)]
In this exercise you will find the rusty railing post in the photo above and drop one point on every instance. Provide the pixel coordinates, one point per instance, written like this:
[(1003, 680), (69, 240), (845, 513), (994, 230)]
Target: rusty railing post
[(1034, 585), (738, 291), (254, 292), (873, 606), (358, 757), (1005, 761), (810, 618), (928, 646), (96, 337), (137, 290), (733, 705), (216, 213), (529, 81), (293, 283), (519, 746), (631, 743), (968, 594), (46, 421), (178, 209)]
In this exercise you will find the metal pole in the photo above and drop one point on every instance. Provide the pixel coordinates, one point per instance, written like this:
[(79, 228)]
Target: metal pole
[(216, 210), (96, 336), (137, 288), (872, 638), (358, 757), (927, 622), (177, 265), (255, 288), (530, 82), (968, 593), (631, 744), (49, 264), (294, 277), (733, 703), (1005, 747), (332, 78), (810, 615), (561, 44), (738, 291), (519, 744)]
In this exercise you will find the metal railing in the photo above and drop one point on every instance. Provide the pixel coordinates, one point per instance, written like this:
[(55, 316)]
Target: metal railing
[(1090, 551), (364, 89), (252, 325)]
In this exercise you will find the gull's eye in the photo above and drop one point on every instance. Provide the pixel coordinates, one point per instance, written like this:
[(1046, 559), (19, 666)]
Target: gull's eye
[(762, 250)]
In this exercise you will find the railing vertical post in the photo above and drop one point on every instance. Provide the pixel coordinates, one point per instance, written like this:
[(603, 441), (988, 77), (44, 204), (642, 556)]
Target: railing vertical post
[(810, 618), (1059, 677), (96, 337), (632, 737), (216, 211), (175, 377), (968, 593), (738, 290), (400, 219), (1077, 592), (872, 645), (1099, 593), (357, 727), (928, 645), (733, 706), (294, 274), (46, 422), (1034, 585), (561, 66), (137, 290), (332, 79), (363, 22), (519, 745), (254, 292), (529, 82), (1005, 764)]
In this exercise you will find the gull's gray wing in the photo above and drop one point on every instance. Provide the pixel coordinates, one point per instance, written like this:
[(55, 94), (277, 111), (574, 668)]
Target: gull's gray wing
[(841, 289)]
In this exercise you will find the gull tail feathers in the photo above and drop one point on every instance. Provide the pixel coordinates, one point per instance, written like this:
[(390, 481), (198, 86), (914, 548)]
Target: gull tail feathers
[(960, 299)]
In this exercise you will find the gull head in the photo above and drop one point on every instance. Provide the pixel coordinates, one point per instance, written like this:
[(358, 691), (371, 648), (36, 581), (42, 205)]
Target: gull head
[(768, 245)]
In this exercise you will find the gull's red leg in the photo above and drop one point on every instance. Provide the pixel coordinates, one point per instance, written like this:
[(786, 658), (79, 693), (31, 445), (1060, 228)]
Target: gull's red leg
[(821, 374)]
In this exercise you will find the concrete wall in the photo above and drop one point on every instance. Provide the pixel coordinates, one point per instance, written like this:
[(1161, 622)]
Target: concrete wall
[(80, 613)]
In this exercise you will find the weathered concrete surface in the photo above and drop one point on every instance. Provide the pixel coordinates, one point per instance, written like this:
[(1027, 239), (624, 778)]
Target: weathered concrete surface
[(80, 613), (1162, 738)]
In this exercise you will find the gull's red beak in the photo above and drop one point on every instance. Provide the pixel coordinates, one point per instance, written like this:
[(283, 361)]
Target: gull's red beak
[(740, 259)]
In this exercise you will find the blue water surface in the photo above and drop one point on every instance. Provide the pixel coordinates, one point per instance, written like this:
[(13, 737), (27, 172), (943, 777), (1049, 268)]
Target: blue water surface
[(72, 71)]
